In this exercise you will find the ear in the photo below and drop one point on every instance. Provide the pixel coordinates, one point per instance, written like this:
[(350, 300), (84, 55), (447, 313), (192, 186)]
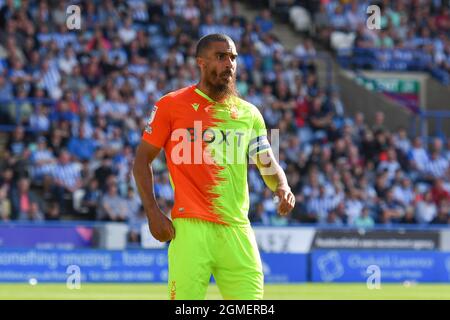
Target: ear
[(200, 62)]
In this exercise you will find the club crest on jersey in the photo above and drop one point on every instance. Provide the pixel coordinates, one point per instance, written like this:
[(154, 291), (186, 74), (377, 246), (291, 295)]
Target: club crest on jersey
[(208, 107), (234, 112)]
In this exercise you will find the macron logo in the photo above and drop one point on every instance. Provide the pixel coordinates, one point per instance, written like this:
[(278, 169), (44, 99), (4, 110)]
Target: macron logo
[(195, 106)]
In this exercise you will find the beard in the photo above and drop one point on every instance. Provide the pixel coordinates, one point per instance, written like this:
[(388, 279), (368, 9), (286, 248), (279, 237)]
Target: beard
[(220, 89)]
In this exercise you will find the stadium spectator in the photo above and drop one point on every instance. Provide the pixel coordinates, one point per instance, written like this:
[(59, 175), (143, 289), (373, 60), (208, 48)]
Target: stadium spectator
[(67, 173), (390, 165), (53, 212), (353, 206), (57, 141), (6, 92), (443, 215), (50, 79), (269, 205), (259, 215), (364, 220), (338, 216), (68, 61), (91, 199), (404, 192), (163, 189), (40, 121), (5, 204), (447, 152), (319, 206), (47, 190), (104, 171), (426, 209), (33, 214), (264, 21), (82, 147), (378, 124), (439, 193), (122, 163), (319, 117), (135, 222), (437, 165), (409, 217), (43, 160), (338, 20), (390, 210), (277, 220), (418, 155), (17, 141), (112, 206), (66, 176), (132, 202), (402, 142), (22, 199)]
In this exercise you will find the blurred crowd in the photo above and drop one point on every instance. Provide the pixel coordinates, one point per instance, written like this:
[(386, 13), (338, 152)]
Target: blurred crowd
[(413, 35), (83, 98)]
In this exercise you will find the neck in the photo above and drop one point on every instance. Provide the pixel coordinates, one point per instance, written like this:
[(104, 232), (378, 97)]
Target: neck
[(218, 97)]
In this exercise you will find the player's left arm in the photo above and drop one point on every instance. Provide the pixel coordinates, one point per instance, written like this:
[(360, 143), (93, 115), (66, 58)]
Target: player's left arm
[(260, 152), (275, 179)]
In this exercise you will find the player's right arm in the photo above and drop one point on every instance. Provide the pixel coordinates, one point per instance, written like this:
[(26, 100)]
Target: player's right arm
[(160, 226), (154, 138)]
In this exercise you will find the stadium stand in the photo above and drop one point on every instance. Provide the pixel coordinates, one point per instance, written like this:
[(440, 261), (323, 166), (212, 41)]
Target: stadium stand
[(414, 35), (73, 105)]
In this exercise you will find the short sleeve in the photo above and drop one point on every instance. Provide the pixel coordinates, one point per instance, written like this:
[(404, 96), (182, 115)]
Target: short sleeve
[(157, 129), (258, 137)]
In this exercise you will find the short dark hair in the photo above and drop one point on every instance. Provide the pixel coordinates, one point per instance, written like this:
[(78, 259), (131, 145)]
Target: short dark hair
[(205, 41)]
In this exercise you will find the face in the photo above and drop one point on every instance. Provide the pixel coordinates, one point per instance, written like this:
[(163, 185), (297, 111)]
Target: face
[(437, 144), (379, 117), (112, 189), (417, 143), (406, 183), (322, 190), (218, 67), (392, 155), (24, 185), (359, 118), (65, 157), (390, 195), (34, 207)]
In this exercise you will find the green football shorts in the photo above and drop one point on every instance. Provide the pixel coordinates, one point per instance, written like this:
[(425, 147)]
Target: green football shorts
[(229, 253)]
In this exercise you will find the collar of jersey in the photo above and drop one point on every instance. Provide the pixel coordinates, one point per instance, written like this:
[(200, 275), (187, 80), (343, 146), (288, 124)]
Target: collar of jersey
[(204, 95)]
